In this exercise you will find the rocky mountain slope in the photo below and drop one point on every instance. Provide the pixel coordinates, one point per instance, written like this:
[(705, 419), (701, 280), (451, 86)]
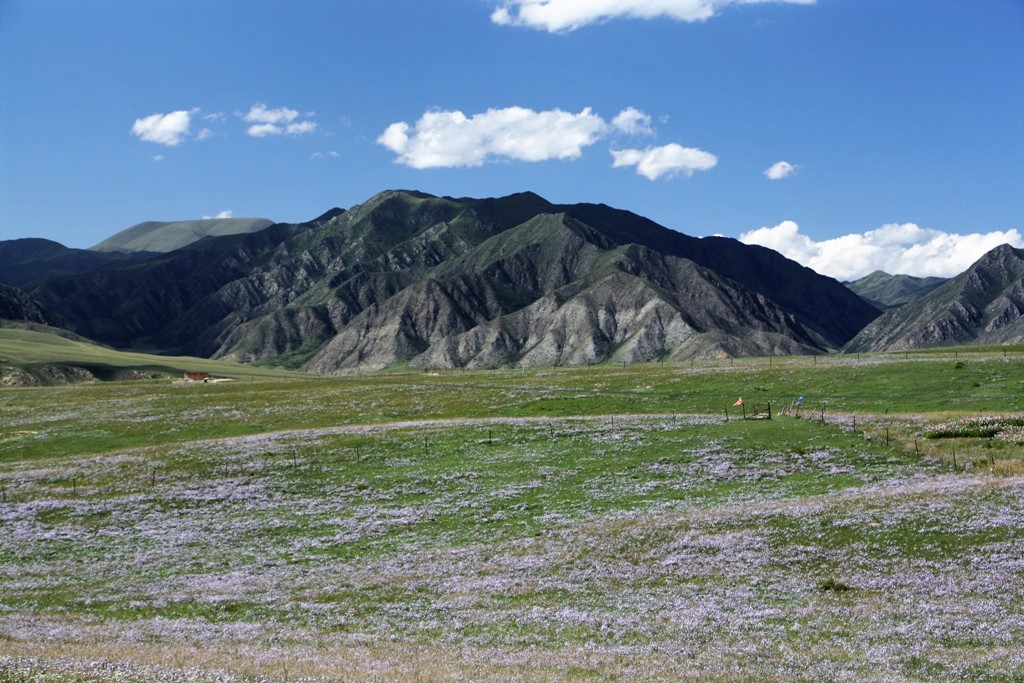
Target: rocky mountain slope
[(884, 291), (17, 305), (441, 282), (984, 305), (157, 236)]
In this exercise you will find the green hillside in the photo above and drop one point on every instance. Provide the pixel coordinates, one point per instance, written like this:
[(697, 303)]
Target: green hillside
[(39, 356), (168, 236), (888, 291)]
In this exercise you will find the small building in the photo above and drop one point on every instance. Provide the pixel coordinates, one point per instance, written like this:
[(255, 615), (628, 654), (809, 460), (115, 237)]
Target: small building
[(197, 376)]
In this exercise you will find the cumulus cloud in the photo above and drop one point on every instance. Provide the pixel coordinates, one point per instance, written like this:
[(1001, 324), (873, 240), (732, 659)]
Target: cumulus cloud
[(204, 133), (780, 170), (632, 121), (896, 248), (222, 214), (259, 113), (668, 160), (300, 128), (280, 121), (261, 130), (559, 16), (444, 139), (164, 129)]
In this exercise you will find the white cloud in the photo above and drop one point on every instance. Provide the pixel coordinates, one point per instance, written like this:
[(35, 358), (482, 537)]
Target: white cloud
[(300, 128), (568, 15), (444, 139), (164, 129), (780, 170), (262, 130), (259, 113), (222, 214), (896, 248), (204, 133), (632, 121), (669, 160), (322, 155), (280, 121), (159, 157)]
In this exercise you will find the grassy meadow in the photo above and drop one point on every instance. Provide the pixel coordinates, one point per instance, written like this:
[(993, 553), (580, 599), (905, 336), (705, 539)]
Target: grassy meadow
[(611, 523), (44, 354)]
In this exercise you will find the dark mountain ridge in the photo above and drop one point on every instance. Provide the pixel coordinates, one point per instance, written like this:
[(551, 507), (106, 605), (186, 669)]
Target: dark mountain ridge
[(27, 261)]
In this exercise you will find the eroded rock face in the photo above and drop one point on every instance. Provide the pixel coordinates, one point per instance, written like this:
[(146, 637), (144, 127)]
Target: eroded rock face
[(16, 304), (43, 375)]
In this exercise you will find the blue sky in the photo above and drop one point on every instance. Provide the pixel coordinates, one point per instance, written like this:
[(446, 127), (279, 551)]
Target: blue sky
[(901, 121)]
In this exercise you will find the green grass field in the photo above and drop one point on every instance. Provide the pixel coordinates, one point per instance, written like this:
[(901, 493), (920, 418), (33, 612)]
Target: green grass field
[(613, 523), (27, 349)]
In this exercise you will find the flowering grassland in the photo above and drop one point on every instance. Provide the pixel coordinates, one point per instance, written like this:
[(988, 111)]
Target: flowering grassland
[(585, 524), (109, 416), (1003, 427)]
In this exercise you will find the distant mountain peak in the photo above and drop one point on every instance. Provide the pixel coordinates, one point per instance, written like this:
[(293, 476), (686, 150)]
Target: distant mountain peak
[(885, 291), (160, 236)]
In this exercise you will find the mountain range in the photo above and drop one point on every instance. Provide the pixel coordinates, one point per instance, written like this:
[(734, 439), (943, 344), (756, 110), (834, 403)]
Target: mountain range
[(411, 279), (982, 305)]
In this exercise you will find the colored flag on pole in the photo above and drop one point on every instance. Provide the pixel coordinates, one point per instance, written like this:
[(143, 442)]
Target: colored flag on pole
[(739, 402)]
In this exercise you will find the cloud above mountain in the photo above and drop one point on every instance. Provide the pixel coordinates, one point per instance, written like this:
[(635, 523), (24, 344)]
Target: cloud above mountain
[(632, 121), (164, 129), (445, 139), (450, 139), (175, 127), (896, 248), (667, 160), (280, 121), (562, 16), (780, 170)]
